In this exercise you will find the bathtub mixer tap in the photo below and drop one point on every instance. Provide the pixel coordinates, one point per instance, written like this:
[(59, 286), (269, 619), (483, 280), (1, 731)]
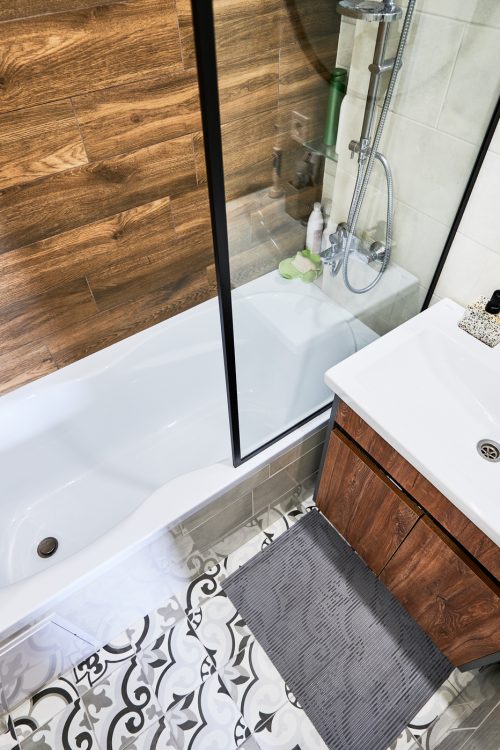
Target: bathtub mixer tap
[(334, 255)]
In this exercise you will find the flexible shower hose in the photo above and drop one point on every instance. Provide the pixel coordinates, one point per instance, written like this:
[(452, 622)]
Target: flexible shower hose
[(365, 170)]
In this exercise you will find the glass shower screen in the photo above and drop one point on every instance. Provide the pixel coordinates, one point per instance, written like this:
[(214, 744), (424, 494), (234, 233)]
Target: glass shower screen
[(273, 66)]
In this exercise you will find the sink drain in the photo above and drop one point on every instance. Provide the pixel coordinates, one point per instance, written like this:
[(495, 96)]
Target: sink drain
[(489, 450), (47, 547)]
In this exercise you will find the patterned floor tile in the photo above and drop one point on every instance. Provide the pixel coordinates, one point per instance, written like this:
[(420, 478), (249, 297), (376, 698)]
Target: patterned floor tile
[(459, 680), (7, 734), (434, 707), (43, 706), (202, 588), (69, 730), (176, 664), (250, 744), (255, 684), (122, 706), (151, 626), (467, 712), (208, 719), (288, 729), (101, 664), (405, 741), (157, 737), (220, 628)]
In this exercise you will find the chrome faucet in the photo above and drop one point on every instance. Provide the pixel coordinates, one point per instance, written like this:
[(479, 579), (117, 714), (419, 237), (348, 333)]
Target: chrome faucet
[(342, 242), (333, 256)]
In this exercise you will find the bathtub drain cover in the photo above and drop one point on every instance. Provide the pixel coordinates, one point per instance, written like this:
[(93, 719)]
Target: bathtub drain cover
[(489, 450), (47, 547)]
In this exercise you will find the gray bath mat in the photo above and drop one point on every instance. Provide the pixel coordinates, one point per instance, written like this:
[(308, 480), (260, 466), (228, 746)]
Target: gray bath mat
[(356, 661)]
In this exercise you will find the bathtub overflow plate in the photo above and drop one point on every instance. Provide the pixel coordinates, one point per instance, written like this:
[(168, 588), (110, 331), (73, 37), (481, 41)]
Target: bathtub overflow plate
[(489, 450), (47, 547)]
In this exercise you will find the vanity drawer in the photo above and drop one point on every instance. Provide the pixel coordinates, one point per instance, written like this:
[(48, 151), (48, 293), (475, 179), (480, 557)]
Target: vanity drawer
[(435, 503), (369, 510), (450, 597)]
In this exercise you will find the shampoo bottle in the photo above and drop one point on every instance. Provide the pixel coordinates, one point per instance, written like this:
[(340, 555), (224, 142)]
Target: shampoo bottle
[(314, 229)]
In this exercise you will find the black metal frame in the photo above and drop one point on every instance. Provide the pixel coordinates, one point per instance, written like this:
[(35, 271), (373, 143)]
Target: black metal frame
[(463, 203), (204, 38)]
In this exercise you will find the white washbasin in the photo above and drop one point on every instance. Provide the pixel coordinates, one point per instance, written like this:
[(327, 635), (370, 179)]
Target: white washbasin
[(433, 391)]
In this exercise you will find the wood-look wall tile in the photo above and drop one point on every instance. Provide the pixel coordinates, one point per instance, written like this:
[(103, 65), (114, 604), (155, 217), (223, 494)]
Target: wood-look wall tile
[(248, 140), (124, 118), (168, 272), (248, 87), (39, 141), (247, 147), (199, 158), (83, 50), (26, 8), (79, 196), (243, 37), (31, 320), (185, 20), (226, 10), (140, 231), (299, 79), (24, 365), (308, 20), (113, 325), (191, 213)]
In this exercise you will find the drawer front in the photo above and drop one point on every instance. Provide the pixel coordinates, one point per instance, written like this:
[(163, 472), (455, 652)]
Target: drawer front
[(456, 604), (435, 503), (363, 504)]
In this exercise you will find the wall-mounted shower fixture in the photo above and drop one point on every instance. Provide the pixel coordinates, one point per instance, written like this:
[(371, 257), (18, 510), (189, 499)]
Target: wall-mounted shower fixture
[(344, 241)]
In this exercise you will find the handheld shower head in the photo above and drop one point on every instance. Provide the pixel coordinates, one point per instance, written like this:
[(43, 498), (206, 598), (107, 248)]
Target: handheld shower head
[(370, 10)]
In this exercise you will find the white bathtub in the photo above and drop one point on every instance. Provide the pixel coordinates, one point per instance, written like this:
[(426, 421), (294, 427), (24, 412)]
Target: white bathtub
[(115, 448)]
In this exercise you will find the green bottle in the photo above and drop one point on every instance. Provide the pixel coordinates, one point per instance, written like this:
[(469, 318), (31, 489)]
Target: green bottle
[(338, 88)]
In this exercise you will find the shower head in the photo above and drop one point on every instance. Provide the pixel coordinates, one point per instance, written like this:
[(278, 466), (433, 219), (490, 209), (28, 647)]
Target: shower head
[(370, 10)]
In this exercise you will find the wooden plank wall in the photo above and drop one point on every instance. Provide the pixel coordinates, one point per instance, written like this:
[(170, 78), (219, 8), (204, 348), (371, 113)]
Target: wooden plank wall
[(274, 57), (104, 216)]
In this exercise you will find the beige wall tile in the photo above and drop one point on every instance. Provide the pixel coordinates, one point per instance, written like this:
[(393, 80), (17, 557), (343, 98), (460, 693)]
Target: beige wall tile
[(481, 221), (428, 63), (474, 85), (485, 12), (470, 271)]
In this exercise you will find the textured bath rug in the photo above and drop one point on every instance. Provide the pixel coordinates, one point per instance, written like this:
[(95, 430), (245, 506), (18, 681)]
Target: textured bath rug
[(356, 661)]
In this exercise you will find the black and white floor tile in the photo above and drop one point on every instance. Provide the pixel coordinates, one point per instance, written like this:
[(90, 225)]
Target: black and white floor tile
[(154, 624), (208, 719), (176, 664), (191, 676), (255, 684), (156, 737), (34, 713), (220, 628), (288, 729), (121, 706), (68, 730)]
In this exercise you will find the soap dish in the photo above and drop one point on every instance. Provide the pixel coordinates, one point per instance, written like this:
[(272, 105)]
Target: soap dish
[(482, 325)]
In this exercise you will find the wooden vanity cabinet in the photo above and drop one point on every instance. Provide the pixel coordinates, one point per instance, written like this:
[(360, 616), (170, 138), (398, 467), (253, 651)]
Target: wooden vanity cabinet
[(446, 593), (441, 567), (369, 510)]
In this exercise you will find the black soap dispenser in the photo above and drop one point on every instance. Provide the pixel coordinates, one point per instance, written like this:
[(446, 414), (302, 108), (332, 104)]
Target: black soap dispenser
[(493, 306)]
